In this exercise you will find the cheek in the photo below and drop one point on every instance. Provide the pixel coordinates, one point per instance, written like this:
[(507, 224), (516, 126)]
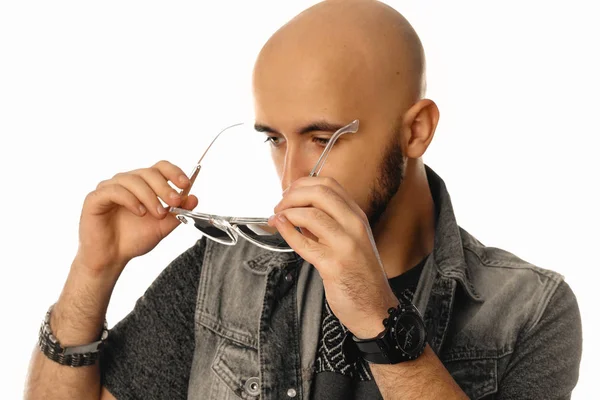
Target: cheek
[(358, 182), (357, 186)]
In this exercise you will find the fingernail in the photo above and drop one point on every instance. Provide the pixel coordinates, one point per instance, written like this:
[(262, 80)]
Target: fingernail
[(142, 209), (281, 218), (161, 210), (183, 179), (174, 195)]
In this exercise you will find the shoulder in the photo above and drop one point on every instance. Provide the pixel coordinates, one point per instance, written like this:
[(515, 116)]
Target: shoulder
[(506, 281), (495, 258), (526, 317), (508, 335)]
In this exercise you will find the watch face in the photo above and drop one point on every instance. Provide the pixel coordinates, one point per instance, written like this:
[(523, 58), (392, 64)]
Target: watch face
[(409, 334)]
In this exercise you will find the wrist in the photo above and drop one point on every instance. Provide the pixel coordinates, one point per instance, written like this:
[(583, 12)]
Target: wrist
[(79, 313), (373, 326), (74, 326), (90, 270), (82, 354), (403, 338), (369, 331)]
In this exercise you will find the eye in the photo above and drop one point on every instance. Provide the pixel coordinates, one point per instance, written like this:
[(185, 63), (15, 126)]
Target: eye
[(275, 141), (321, 141)]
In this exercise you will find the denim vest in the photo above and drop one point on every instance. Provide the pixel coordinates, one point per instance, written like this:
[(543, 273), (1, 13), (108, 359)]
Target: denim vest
[(258, 313)]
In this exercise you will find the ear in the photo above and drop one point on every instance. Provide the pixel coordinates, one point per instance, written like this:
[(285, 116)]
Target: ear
[(418, 127)]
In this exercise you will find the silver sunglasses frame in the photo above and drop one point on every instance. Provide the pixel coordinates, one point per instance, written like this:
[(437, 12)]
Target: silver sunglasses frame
[(230, 225)]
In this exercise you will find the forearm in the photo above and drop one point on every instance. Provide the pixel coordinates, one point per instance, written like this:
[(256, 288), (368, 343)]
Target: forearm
[(423, 378), (76, 319)]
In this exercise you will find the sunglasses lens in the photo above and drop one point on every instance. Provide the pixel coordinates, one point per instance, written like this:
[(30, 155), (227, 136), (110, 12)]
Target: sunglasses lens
[(211, 231), (223, 178), (264, 234)]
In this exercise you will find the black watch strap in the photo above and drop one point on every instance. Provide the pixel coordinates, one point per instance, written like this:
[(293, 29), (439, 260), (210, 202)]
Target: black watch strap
[(371, 352), (384, 348)]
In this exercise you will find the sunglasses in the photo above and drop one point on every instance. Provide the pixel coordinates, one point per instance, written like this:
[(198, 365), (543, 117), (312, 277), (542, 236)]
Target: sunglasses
[(227, 230)]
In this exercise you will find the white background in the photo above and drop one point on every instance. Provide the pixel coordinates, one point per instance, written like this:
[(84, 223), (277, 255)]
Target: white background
[(91, 89)]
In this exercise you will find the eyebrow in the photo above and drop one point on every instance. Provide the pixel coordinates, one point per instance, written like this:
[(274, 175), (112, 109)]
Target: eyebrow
[(317, 126)]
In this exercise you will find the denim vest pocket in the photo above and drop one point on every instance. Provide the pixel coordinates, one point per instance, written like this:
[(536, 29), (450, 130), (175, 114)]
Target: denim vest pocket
[(476, 377), (237, 373), (230, 296)]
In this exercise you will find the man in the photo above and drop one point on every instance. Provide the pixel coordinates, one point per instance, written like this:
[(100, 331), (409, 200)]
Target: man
[(335, 319)]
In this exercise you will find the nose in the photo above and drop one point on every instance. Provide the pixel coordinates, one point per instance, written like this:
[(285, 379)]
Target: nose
[(295, 165)]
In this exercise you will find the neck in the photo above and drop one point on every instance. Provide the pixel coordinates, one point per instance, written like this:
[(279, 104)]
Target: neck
[(405, 232)]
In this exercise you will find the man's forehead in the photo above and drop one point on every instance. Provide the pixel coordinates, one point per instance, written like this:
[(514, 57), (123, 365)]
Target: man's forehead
[(328, 86)]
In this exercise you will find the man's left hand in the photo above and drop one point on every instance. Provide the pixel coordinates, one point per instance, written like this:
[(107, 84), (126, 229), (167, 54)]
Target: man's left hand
[(336, 238)]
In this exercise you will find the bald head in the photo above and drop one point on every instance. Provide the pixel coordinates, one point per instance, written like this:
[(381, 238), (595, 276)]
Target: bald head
[(338, 61), (362, 50)]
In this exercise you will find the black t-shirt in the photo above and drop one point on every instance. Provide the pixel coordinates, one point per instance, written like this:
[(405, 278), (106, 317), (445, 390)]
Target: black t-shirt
[(335, 379)]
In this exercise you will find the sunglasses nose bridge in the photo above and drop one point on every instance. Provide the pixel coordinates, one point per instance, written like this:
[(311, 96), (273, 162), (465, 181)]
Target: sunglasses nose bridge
[(220, 223)]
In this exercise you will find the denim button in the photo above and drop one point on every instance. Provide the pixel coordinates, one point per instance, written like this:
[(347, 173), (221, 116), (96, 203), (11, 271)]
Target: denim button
[(252, 386), (289, 277), (291, 392)]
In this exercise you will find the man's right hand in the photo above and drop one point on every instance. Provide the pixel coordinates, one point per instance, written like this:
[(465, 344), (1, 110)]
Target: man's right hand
[(123, 217)]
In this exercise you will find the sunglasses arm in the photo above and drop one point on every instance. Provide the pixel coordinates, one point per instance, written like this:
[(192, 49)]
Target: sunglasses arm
[(350, 128), (185, 192)]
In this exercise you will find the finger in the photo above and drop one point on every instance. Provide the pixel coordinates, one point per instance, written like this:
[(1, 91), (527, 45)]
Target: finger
[(323, 198), (173, 173), (318, 196), (308, 234), (190, 203), (322, 226), (140, 188), (158, 183), (332, 184), (105, 198), (307, 248), (171, 222)]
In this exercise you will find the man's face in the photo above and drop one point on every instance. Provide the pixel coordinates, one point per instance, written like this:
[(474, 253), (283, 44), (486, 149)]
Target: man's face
[(391, 172), (300, 103)]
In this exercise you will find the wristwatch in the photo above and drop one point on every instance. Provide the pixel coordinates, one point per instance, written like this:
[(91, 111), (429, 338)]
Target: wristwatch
[(403, 339)]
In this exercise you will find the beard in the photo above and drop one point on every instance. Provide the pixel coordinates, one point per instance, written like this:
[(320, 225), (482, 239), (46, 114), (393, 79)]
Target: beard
[(391, 174)]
